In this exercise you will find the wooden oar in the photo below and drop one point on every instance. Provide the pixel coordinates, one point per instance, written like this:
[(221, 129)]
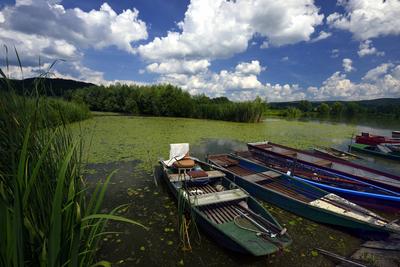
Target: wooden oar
[(341, 258), (244, 205)]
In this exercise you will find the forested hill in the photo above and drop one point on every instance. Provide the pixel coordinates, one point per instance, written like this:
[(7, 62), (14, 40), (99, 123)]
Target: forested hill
[(364, 103), (54, 87)]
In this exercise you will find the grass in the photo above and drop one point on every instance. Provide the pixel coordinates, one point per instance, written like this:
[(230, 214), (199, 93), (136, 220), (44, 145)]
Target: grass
[(47, 217)]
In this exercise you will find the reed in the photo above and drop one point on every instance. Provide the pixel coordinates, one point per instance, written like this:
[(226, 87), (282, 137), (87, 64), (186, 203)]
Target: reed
[(47, 218)]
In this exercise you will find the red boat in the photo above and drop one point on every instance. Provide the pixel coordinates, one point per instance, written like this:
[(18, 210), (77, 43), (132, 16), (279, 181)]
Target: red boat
[(373, 140)]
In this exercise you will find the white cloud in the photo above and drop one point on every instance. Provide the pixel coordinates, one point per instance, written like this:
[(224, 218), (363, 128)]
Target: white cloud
[(217, 28), (264, 45), (368, 19), (334, 53), (347, 65), (366, 48), (377, 73), (48, 20), (382, 81), (179, 66), (46, 29), (285, 58), (322, 35), (240, 84), (253, 67)]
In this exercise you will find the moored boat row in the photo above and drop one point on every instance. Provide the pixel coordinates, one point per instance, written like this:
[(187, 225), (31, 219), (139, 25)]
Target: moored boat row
[(219, 193)]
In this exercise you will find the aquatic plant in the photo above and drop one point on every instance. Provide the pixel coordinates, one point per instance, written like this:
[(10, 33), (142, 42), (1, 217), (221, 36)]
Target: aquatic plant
[(47, 217)]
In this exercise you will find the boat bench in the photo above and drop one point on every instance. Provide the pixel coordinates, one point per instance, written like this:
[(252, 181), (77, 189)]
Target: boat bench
[(258, 177), (323, 162), (217, 197), (184, 176)]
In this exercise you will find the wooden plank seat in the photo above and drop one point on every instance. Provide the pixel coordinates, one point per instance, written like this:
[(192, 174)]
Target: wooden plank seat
[(174, 177), (217, 197), (289, 153), (323, 162)]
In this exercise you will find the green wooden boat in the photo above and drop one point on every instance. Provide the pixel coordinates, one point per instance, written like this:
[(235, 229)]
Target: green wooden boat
[(224, 211), (388, 151)]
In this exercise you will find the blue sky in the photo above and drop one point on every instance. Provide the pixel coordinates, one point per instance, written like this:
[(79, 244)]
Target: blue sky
[(278, 50)]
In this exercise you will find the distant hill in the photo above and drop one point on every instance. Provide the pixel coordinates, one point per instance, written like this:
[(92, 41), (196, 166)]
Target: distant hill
[(364, 103), (54, 87)]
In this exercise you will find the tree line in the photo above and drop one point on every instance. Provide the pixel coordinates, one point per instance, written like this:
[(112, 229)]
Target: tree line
[(166, 100), (338, 109)]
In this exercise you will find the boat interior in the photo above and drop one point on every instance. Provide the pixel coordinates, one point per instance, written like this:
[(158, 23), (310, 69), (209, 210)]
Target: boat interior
[(343, 167), (267, 178)]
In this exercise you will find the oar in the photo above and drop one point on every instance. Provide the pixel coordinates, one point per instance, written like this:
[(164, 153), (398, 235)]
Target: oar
[(244, 205), (341, 258), (255, 223)]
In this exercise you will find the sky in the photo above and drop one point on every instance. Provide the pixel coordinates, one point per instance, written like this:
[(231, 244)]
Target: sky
[(277, 50)]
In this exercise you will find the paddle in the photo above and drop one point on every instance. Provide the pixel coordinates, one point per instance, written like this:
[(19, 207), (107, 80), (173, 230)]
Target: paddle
[(244, 205)]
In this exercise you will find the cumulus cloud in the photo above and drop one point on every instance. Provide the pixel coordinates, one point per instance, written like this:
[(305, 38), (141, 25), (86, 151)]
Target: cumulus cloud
[(334, 53), (264, 45), (366, 48), (45, 29), (382, 81), (218, 29), (377, 73), (66, 29), (253, 67), (347, 65), (322, 35), (240, 84), (368, 19), (179, 66)]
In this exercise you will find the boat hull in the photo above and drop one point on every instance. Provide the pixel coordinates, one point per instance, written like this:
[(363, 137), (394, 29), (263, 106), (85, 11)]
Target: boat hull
[(387, 181), (301, 208), (216, 232), (361, 148)]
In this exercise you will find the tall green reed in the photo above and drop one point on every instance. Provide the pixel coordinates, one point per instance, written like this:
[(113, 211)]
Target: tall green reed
[(47, 218)]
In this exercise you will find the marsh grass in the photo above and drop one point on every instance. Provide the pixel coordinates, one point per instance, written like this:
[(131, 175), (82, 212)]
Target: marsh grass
[(47, 217)]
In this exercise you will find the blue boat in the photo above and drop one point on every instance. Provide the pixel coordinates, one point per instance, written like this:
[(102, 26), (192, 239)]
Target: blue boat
[(360, 192), (300, 198)]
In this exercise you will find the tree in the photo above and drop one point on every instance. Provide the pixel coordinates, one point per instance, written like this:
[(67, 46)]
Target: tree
[(305, 106), (323, 109), (337, 109)]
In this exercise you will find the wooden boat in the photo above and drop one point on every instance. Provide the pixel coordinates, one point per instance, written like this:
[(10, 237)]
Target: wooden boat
[(226, 212), (300, 198), (370, 139), (389, 151), (329, 166), (335, 153), (360, 192)]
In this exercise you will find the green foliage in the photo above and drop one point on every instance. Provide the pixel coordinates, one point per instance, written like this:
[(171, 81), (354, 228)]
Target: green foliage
[(166, 100), (292, 112), (337, 109), (323, 109), (305, 106), (46, 216)]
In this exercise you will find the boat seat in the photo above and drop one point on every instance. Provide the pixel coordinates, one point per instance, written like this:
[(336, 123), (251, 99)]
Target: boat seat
[(184, 163), (289, 153), (197, 174), (174, 177), (323, 163), (217, 197)]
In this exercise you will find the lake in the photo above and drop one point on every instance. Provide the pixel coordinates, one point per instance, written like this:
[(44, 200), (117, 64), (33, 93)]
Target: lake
[(133, 145)]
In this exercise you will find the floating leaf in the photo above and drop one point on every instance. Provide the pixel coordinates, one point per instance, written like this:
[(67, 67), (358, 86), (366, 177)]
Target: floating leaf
[(314, 253), (142, 248)]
